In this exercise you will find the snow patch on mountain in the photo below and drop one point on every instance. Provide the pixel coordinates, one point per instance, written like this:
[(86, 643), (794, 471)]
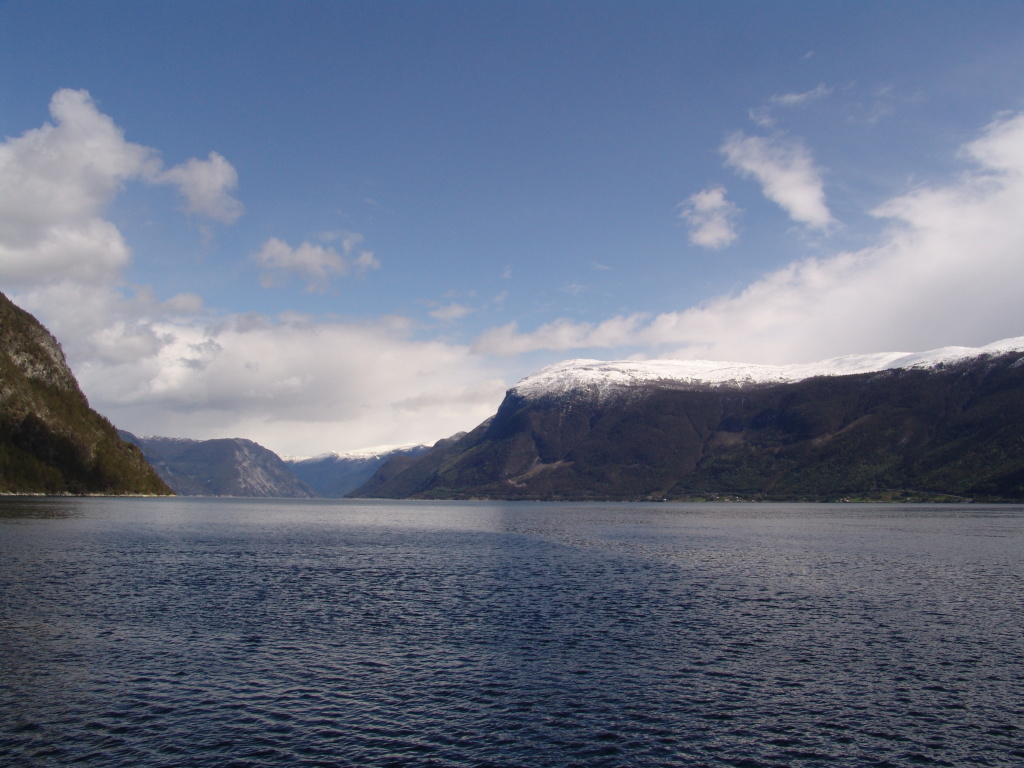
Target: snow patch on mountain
[(377, 452), (602, 378)]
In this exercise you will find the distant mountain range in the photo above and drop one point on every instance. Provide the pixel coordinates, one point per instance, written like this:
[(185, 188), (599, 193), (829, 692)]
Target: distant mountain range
[(51, 441), (239, 467), (222, 467), (941, 425), (334, 475), (944, 425)]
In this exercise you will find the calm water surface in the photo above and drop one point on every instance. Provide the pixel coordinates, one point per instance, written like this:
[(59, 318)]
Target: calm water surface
[(173, 632)]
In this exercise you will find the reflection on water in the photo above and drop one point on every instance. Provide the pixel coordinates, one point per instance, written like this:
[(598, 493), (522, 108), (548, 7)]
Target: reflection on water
[(169, 632), (14, 508)]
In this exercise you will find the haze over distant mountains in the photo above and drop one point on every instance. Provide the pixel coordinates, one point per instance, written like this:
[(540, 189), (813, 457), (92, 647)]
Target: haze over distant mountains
[(334, 475), (242, 468)]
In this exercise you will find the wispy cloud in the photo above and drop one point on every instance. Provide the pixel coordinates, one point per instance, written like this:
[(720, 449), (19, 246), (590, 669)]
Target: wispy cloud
[(561, 335), (794, 99), (948, 270), (316, 263), (712, 218), (786, 172), (764, 115), (449, 312)]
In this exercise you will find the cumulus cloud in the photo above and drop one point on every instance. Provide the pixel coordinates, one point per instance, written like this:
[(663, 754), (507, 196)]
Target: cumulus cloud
[(206, 186), (296, 386), (786, 172), (169, 366), (712, 218), (947, 270), (316, 263), (59, 180)]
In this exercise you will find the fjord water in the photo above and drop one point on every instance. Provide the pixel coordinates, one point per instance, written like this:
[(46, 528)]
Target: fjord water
[(176, 632)]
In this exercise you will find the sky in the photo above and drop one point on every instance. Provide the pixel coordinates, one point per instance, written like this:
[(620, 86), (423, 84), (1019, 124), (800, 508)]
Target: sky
[(331, 226)]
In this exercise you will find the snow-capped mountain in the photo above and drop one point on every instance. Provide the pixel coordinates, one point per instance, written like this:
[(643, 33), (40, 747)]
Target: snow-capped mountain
[(602, 378), (937, 425)]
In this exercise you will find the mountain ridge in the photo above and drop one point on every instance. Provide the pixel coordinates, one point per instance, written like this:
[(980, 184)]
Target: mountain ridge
[(945, 426), (606, 376), (220, 467)]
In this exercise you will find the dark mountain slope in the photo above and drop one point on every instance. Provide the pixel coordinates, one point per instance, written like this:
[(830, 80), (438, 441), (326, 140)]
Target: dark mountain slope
[(406, 476), (952, 431), (51, 441)]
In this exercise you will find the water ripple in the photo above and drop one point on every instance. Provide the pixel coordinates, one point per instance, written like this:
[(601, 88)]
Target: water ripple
[(219, 634)]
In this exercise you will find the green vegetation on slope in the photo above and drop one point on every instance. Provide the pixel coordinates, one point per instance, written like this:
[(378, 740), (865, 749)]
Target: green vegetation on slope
[(51, 441)]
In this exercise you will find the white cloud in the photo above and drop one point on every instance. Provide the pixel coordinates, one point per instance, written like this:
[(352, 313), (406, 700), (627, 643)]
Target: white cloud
[(1001, 148), (206, 185), (711, 217), (786, 172), (561, 335), (450, 312), (366, 260), (764, 116), (58, 181), (169, 366), (298, 387), (948, 270), (795, 99), (316, 263), (313, 261), (294, 385)]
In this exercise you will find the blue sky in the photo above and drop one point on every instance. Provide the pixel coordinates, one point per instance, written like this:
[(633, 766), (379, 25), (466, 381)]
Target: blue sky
[(334, 225)]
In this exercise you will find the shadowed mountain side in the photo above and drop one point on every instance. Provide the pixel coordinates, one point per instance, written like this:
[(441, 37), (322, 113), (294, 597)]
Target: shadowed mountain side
[(953, 431), (51, 441), (223, 467), (334, 475), (406, 476)]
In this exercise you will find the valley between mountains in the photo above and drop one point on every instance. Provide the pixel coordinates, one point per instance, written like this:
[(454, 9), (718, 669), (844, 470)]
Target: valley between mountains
[(946, 425), (941, 426)]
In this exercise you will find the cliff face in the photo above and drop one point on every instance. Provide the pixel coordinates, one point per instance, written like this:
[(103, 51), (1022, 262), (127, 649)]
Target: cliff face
[(949, 432), (221, 467), (51, 441)]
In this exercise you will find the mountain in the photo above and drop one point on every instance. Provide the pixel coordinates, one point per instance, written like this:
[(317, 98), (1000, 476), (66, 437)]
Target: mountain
[(51, 441), (947, 424), (223, 467), (333, 475)]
